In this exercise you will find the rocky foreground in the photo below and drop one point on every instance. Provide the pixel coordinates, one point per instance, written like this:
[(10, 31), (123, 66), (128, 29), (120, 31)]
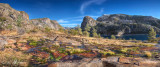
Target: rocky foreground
[(108, 62)]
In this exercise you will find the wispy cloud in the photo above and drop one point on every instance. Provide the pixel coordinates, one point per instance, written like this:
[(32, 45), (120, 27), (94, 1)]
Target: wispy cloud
[(69, 25), (77, 20), (88, 3), (101, 11), (73, 21), (62, 21)]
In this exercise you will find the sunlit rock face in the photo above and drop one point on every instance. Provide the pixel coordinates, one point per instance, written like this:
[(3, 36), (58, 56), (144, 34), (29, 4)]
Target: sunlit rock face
[(45, 23), (18, 21), (119, 24), (87, 20)]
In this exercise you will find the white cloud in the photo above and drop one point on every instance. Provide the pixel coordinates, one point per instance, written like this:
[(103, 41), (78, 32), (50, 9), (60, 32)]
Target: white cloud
[(62, 21), (94, 16), (78, 20), (88, 3), (69, 25)]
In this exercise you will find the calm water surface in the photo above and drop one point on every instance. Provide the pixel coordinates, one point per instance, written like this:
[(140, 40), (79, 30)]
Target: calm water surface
[(134, 36)]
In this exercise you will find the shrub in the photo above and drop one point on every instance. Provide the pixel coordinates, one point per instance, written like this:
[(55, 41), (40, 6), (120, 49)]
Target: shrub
[(79, 30), (124, 50), (86, 33), (19, 21), (148, 54), (9, 26), (47, 30), (73, 32), (113, 37), (107, 53), (2, 19), (35, 43)]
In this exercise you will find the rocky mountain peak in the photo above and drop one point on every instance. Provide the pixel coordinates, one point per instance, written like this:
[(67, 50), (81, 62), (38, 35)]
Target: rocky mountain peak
[(45, 22), (119, 24), (87, 20), (11, 19)]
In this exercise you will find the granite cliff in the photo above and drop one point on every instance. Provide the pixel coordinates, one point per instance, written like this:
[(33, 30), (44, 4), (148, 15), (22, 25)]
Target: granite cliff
[(119, 24), (18, 21)]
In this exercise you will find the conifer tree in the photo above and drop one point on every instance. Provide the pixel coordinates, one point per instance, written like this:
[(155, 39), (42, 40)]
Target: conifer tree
[(79, 30), (86, 33), (87, 28), (94, 32), (151, 35)]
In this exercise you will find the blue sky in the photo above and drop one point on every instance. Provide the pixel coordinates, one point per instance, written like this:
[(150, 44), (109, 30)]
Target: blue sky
[(69, 13)]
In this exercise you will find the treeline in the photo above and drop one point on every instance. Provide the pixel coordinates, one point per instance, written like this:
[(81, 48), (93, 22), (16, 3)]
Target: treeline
[(92, 32), (88, 32)]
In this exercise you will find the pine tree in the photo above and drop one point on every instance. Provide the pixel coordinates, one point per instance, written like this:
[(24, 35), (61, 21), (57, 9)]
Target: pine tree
[(94, 32), (87, 28), (152, 35), (86, 33), (99, 35), (73, 32), (79, 30)]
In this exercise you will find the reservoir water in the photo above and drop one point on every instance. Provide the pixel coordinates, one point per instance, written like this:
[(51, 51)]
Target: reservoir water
[(133, 36)]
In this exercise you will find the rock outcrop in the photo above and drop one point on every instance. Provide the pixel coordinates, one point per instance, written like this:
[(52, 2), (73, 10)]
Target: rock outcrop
[(46, 23), (119, 24), (108, 62), (18, 21), (88, 21)]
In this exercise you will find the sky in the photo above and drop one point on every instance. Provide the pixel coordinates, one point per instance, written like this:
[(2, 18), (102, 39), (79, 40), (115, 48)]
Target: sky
[(70, 13)]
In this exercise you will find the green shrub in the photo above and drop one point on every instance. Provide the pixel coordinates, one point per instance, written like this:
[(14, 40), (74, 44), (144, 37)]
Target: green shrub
[(148, 54), (124, 50), (9, 26), (113, 37), (19, 21), (47, 30), (36, 43), (2, 19), (86, 33), (73, 32)]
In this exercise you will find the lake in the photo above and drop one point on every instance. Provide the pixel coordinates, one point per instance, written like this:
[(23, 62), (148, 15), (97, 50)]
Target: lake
[(133, 36)]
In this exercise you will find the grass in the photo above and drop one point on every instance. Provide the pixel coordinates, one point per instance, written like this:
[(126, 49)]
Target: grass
[(13, 58)]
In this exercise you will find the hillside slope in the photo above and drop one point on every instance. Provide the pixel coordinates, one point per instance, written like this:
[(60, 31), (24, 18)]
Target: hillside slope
[(119, 24), (18, 21)]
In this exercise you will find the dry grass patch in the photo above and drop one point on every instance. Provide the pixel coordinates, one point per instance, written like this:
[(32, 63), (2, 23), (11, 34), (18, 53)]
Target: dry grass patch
[(10, 57)]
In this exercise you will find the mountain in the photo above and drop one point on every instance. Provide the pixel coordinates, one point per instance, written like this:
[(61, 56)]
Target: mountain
[(46, 23), (119, 24), (18, 21)]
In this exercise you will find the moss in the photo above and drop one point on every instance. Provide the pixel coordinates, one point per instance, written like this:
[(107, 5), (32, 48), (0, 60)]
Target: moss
[(124, 50), (9, 26), (107, 53), (35, 43)]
